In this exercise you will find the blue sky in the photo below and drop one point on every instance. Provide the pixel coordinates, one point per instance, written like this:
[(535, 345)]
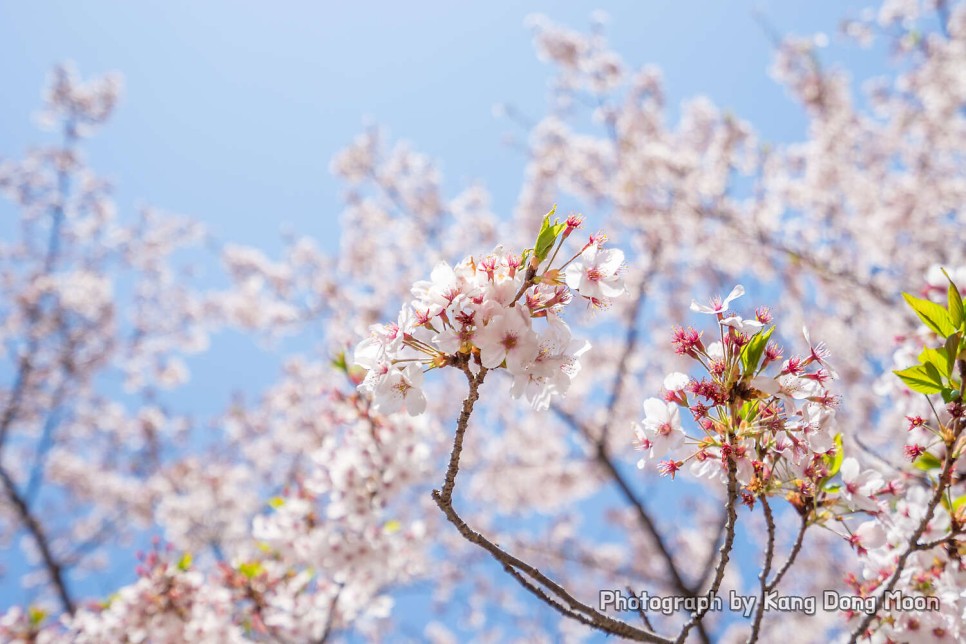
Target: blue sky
[(231, 111)]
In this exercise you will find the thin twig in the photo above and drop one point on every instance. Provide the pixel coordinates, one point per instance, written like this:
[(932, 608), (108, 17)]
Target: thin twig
[(708, 566), (945, 477), (765, 570), (792, 555), (53, 566), (640, 610), (725, 551), (538, 583)]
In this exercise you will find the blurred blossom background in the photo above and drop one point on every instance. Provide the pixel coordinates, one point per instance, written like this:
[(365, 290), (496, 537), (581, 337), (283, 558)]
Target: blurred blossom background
[(231, 119), (230, 113)]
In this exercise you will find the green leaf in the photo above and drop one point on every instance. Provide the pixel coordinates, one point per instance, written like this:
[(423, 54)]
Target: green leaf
[(938, 359), (751, 354), (36, 615), (340, 363), (933, 315), (952, 348), (956, 312), (276, 502), (954, 302), (185, 562), (950, 395), (838, 458), (923, 378), (749, 409), (927, 462), (959, 502), (250, 569), (548, 235)]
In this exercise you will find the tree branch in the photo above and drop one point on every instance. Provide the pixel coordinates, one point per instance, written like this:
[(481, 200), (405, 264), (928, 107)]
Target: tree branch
[(912, 544), (725, 551), (541, 586), (765, 570), (792, 555), (53, 566)]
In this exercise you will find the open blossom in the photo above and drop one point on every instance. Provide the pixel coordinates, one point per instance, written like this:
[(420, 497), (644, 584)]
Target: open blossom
[(595, 273), (444, 286), (868, 536), (717, 304), (745, 327), (779, 431), (480, 314), (554, 367), (402, 388), (858, 488), (508, 336), (676, 381), (660, 432)]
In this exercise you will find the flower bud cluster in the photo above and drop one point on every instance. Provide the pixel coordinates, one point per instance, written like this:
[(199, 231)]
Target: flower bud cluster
[(773, 418), (484, 313)]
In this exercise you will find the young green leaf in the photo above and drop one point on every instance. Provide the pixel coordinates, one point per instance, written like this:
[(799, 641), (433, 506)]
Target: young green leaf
[(927, 462), (951, 347), (548, 235), (751, 354), (250, 569), (932, 315), (748, 410), (938, 359), (36, 615), (839, 456), (923, 378), (956, 313)]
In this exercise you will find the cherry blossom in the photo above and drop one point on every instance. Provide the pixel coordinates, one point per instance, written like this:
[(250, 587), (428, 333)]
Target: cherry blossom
[(595, 274), (660, 432), (303, 512)]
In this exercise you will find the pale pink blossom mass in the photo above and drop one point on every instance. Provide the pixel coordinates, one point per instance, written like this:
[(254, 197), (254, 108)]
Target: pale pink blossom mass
[(460, 434)]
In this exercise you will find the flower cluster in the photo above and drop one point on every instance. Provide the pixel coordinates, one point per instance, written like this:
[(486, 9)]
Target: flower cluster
[(773, 418), (930, 571), (480, 313)]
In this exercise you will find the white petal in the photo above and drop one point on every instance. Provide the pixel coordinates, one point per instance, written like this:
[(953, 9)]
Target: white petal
[(676, 381), (610, 260), (850, 469), (736, 292), (655, 409)]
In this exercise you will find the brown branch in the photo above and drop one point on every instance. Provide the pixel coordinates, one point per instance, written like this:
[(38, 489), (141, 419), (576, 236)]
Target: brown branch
[(541, 586), (630, 341), (539, 592), (945, 478), (464, 419), (796, 548), (708, 566), (929, 545), (637, 505), (640, 610), (53, 566), (725, 551), (25, 369), (765, 570), (330, 620)]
